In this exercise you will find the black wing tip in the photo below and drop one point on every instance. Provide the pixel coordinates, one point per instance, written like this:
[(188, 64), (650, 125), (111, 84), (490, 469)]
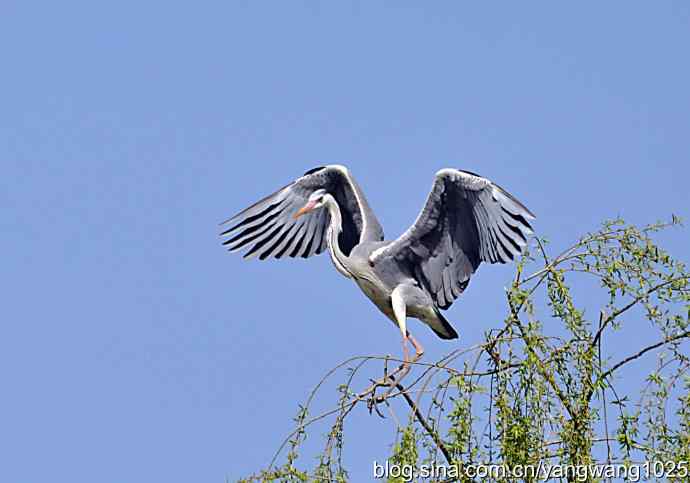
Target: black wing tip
[(450, 336), (262, 200), (471, 173), (314, 170), (228, 220), (528, 212), (504, 191), (512, 198), (449, 332)]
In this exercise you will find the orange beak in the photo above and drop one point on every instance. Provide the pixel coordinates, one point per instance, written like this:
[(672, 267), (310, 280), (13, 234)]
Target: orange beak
[(305, 209)]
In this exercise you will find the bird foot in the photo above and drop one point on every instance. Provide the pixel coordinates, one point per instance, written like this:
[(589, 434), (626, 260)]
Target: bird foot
[(390, 381), (373, 405)]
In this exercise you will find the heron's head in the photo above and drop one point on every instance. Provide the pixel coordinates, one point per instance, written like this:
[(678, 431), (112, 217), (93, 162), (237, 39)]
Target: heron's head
[(316, 200)]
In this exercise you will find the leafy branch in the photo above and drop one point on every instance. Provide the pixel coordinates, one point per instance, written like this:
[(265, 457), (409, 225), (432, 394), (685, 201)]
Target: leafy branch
[(527, 395)]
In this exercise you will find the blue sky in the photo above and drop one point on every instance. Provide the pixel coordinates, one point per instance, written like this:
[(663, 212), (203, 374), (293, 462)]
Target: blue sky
[(133, 347)]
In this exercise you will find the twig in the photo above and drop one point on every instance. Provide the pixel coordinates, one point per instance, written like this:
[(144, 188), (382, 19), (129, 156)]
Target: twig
[(613, 315), (420, 417), (642, 352)]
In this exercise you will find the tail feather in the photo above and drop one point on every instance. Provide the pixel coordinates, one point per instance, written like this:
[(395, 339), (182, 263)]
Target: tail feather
[(442, 327)]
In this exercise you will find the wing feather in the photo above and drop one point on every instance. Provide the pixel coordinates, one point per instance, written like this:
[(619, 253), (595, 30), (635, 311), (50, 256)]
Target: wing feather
[(267, 228), (466, 220)]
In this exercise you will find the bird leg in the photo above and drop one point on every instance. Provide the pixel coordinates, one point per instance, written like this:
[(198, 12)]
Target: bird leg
[(393, 379), (405, 366), (419, 350), (400, 312), (406, 351)]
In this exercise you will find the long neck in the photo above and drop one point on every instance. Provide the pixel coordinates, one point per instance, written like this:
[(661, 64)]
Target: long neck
[(340, 260)]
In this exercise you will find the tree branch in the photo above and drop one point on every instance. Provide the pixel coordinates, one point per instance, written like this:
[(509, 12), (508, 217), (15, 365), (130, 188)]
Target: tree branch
[(642, 352)]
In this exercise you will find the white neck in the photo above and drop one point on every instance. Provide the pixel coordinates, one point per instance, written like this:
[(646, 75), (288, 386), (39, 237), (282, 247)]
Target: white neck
[(336, 226)]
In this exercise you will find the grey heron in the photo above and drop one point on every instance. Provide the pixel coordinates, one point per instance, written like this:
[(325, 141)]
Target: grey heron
[(466, 220)]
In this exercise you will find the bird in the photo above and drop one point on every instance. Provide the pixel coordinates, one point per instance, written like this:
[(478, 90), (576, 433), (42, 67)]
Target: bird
[(466, 220)]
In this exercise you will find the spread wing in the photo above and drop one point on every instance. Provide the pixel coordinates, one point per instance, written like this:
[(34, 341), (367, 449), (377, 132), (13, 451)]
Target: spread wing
[(466, 220), (267, 228)]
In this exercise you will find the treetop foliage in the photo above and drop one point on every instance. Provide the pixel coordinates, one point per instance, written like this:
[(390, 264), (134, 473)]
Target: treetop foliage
[(527, 395)]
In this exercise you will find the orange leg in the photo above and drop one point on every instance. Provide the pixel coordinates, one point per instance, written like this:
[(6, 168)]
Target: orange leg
[(419, 350), (393, 379), (405, 367), (406, 350)]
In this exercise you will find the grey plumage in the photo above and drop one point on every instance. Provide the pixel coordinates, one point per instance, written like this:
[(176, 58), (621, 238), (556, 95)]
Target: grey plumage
[(270, 219), (466, 220)]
